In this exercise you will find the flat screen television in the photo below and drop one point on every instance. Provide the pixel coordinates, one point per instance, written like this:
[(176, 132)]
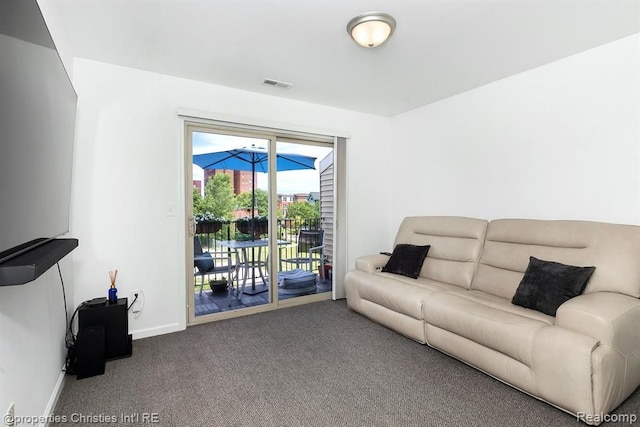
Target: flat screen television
[(37, 124)]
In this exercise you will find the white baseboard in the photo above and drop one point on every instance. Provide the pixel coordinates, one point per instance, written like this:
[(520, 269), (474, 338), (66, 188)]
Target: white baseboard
[(53, 399), (159, 330)]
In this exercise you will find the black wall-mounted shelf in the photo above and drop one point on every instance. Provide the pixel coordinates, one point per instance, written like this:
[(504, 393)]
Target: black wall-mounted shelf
[(32, 264)]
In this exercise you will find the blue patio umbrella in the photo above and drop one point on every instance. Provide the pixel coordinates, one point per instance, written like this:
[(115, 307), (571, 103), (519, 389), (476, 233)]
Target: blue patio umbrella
[(252, 159)]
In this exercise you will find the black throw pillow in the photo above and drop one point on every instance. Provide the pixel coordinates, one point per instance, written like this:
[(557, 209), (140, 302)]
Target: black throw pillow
[(547, 284), (204, 262), (406, 260)]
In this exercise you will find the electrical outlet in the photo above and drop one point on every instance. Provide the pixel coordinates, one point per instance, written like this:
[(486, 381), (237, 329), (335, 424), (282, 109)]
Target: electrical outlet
[(136, 304), (10, 416)]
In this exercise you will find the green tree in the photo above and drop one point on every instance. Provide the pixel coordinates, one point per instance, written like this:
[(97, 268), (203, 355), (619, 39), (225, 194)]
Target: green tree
[(219, 199), (197, 201), (303, 210), (243, 201)]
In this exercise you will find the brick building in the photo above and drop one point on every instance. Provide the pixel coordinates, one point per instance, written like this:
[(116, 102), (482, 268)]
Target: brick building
[(241, 181)]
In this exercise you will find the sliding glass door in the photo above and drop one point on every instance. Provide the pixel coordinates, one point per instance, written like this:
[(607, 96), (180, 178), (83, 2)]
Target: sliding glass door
[(305, 222), (259, 222), (230, 221)]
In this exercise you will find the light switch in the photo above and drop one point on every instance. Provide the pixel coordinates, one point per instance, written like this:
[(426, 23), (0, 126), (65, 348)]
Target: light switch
[(170, 209)]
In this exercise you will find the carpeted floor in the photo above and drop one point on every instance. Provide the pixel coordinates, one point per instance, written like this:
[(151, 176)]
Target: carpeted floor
[(315, 365)]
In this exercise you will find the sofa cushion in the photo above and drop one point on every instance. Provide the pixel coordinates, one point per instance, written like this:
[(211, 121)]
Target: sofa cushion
[(455, 242), (506, 305), (492, 327), (407, 260), (399, 293), (548, 284), (510, 242)]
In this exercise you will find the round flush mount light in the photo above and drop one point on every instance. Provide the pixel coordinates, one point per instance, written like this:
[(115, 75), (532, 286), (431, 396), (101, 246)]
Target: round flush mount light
[(371, 29)]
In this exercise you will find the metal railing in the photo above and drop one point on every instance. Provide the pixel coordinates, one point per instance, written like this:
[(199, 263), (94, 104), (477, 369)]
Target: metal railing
[(287, 230), (211, 233)]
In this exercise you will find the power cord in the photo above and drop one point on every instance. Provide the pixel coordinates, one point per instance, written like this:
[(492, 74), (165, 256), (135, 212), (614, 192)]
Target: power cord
[(135, 298), (64, 296), (138, 295), (70, 338)]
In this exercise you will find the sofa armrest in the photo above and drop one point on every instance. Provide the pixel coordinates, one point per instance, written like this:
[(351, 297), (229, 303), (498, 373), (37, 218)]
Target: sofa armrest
[(371, 263), (609, 317)]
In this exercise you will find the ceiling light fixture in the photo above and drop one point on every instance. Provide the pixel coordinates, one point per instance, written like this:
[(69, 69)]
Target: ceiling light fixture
[(371, 29)]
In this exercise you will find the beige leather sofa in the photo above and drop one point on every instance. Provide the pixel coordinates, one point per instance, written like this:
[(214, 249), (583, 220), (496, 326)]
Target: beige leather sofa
[(585, 360)]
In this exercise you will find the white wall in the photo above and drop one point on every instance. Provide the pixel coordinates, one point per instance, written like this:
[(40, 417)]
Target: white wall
[(32, 351), (129, 165), (560, 141), (32, 317)]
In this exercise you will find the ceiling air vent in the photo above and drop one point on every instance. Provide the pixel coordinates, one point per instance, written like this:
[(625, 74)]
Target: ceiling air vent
[(277, 83)]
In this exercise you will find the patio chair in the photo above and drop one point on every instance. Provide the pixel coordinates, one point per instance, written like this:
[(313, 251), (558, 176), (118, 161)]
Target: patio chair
[(310, 250), (207, 263)]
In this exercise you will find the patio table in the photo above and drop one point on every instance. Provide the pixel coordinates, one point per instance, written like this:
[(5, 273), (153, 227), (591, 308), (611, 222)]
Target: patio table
[(247, 264)]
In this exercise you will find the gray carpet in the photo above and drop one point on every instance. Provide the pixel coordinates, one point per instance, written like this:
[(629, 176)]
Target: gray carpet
[(315, 365)]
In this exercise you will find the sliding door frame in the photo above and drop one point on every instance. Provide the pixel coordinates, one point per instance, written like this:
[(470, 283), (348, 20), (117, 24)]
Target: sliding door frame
[(205, 123)]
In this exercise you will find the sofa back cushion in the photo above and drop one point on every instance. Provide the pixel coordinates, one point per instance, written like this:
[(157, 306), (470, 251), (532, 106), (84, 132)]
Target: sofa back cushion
[(456, 243), (614, 250)]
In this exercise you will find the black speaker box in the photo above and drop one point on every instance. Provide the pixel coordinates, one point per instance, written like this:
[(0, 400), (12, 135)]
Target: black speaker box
[(116, 326), (90, 352)]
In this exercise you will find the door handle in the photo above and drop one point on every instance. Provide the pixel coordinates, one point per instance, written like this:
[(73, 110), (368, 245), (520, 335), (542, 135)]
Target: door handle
[(192, 226)]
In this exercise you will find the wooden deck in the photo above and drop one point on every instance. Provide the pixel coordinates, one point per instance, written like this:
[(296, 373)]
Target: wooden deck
[(209, 302)]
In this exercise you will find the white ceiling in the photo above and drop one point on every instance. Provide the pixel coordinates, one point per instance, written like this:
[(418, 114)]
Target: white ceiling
[(440, 47)]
